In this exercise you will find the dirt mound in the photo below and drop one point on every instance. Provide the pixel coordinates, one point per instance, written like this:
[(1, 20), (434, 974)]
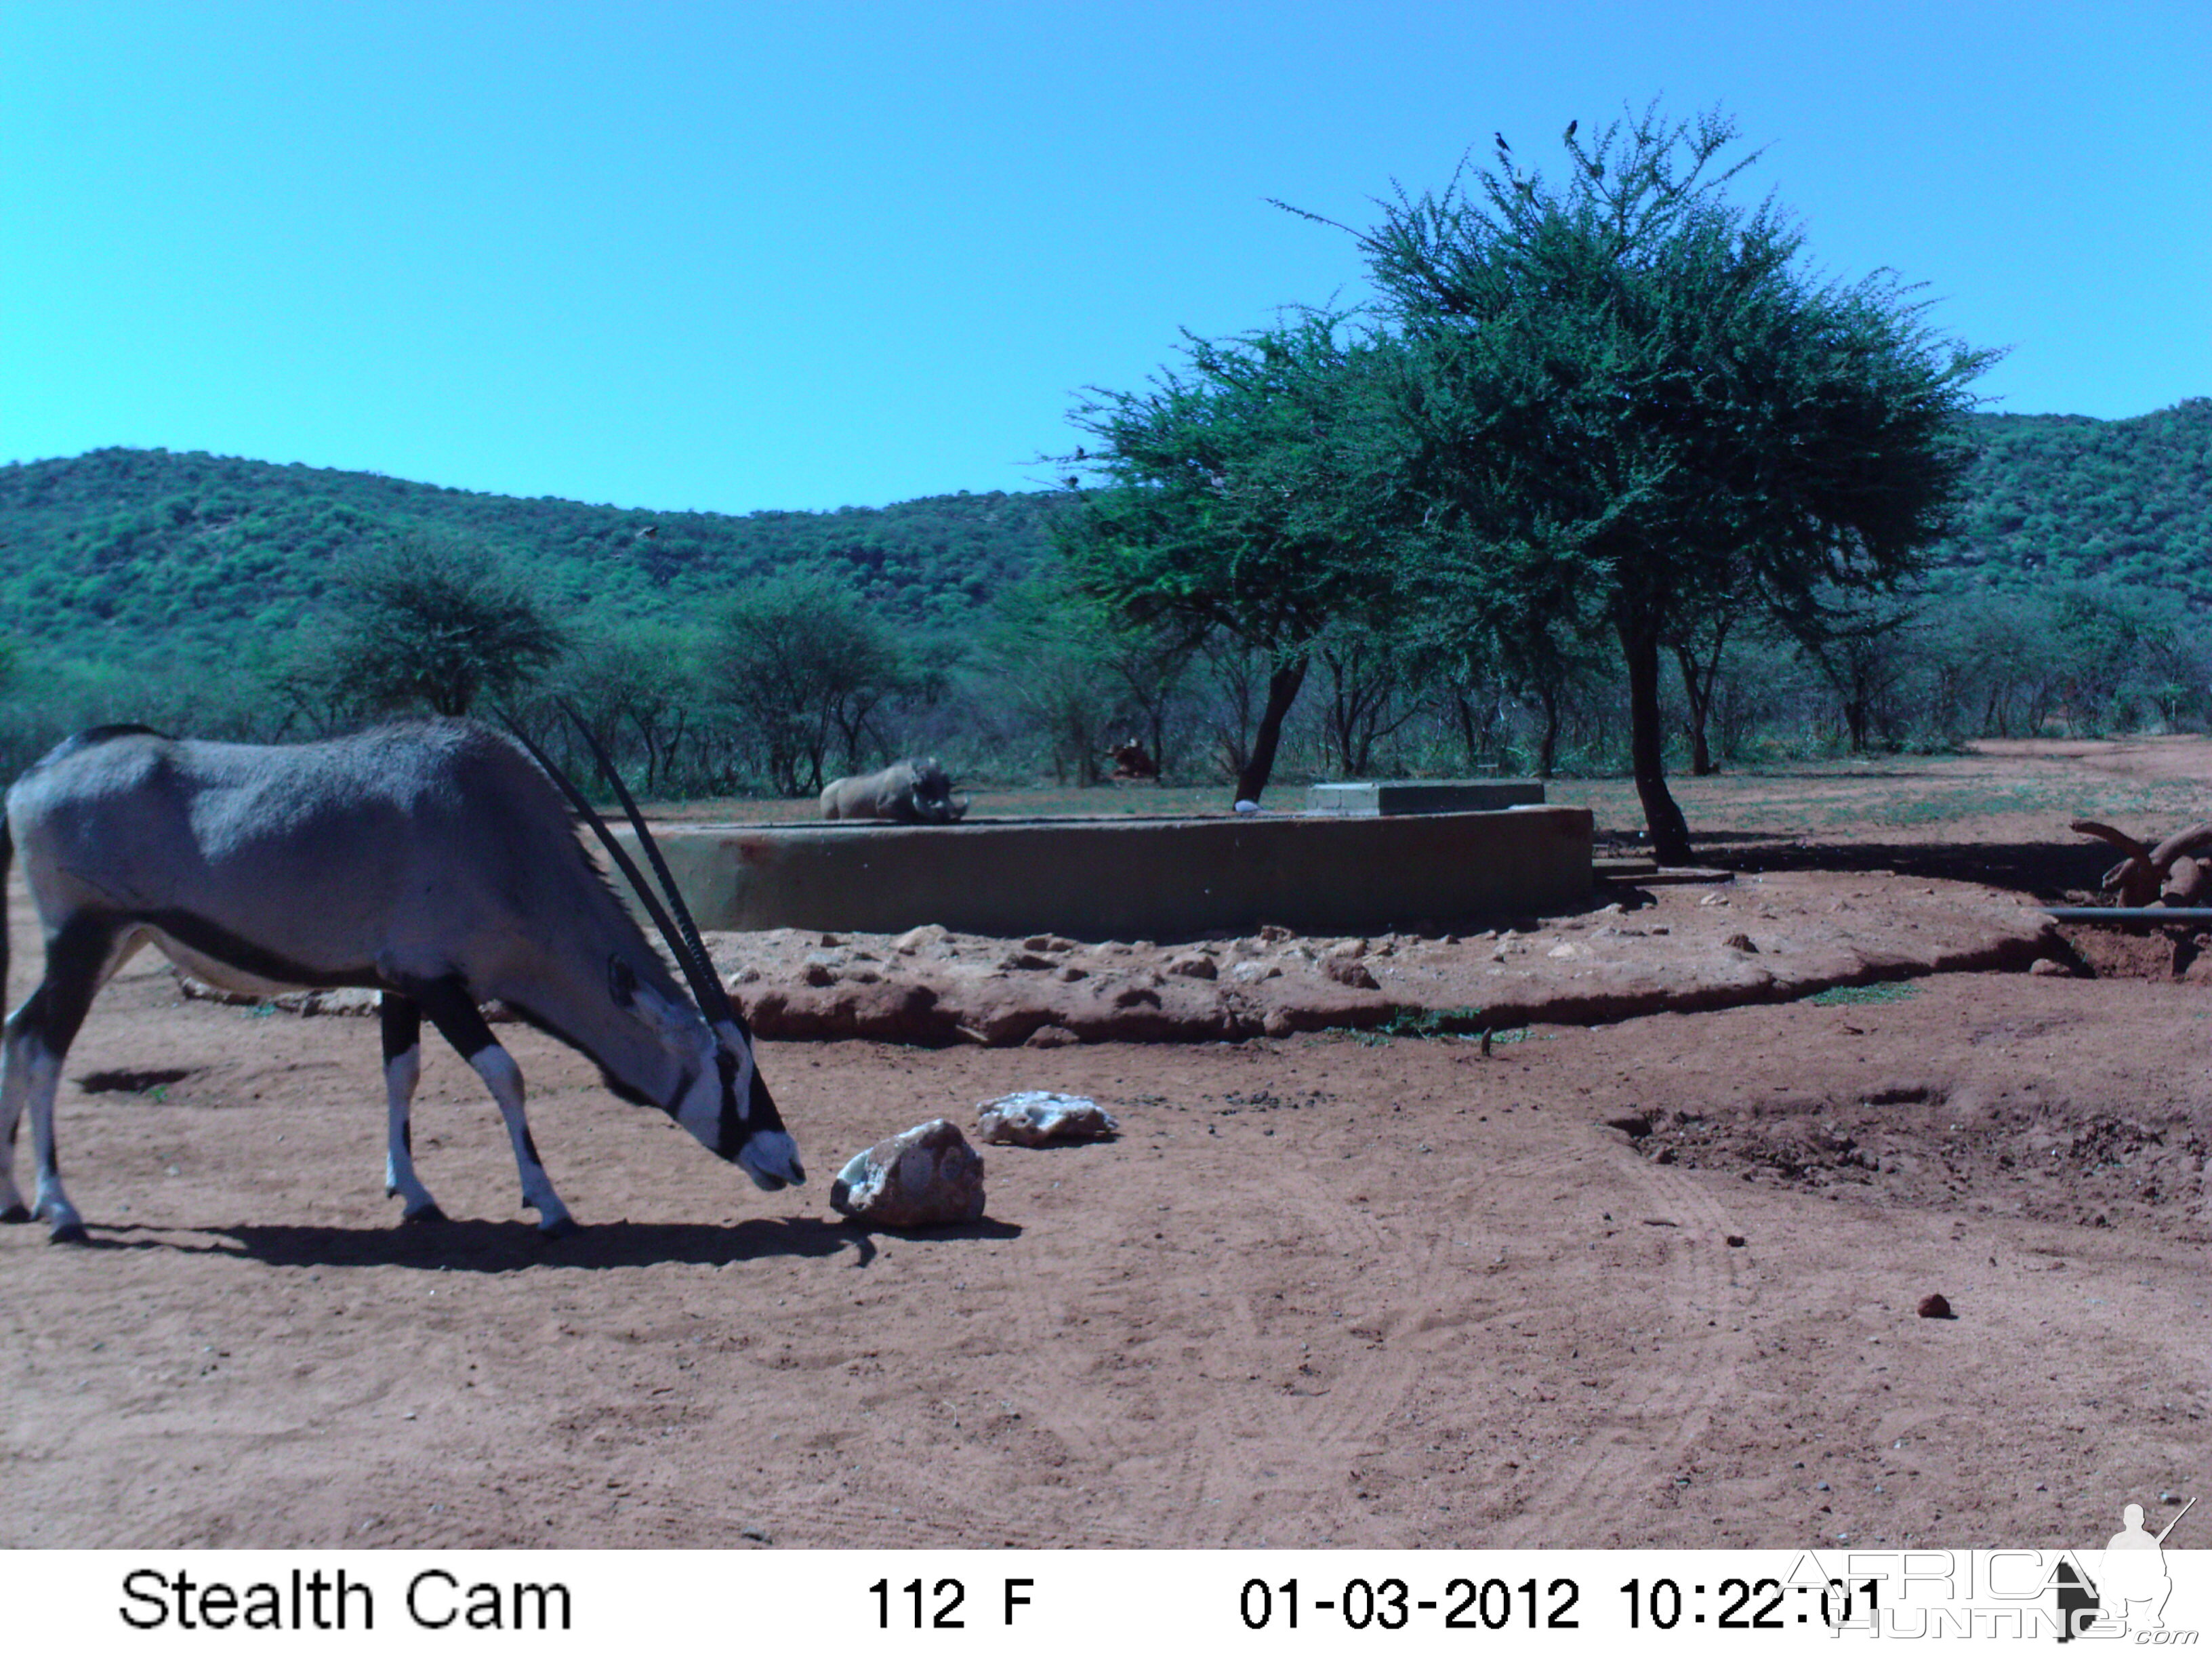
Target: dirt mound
[(1669, 949), (1908, 1143), (2176, 952)]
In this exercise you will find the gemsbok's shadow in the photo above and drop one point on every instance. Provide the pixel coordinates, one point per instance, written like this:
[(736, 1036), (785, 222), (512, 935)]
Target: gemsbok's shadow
[(494, 1247)]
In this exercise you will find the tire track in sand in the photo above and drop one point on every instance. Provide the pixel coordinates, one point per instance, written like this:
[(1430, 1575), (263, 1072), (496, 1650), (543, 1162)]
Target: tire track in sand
[(1657, 1414), (1242, 1408)]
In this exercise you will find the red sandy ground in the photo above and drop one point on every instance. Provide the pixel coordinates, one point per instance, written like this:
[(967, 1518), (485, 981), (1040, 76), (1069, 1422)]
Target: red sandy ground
[(1325, 1289)]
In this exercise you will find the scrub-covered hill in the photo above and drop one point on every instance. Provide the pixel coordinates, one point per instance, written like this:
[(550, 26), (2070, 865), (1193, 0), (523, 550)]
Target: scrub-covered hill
[(123, 552), (2056, 499), (120, 550)]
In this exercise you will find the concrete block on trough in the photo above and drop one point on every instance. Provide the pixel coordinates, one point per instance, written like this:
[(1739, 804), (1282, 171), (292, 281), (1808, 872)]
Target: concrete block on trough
[(1395, 798)]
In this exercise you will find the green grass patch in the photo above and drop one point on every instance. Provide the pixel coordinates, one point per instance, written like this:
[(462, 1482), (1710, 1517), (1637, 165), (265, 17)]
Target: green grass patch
[(1836, 996), (1465, 1023), (1432, 1021)]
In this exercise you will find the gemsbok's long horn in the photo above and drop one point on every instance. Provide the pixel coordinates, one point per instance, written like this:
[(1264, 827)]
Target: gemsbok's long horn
[(714, 1000), (676, 946)]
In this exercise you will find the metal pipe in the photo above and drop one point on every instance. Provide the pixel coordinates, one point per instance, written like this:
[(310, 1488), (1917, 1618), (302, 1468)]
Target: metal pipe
[(2095, 914)]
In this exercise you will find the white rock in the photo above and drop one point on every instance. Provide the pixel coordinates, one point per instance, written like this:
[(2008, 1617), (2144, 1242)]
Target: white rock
[(1036, 1117), (927, 1176)]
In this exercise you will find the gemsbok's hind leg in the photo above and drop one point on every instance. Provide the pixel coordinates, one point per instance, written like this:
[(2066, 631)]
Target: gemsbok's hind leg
[(79, 957), (403, 1070), (14, 1084), (454, 1012)]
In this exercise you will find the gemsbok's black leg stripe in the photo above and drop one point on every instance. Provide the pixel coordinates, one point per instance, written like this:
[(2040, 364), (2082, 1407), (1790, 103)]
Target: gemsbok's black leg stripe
[(75, 956), (40, 1033), (454, 1012), (403, 1024)]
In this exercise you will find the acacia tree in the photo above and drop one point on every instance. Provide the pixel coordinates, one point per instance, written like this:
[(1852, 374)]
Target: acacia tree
[(1152, 664), (431, 623), (1246, 498), (632, 683), (807, 668), (1699, 645), (1858, 650), (1624, 394), (1049, 650), (1370, 675), (1516, 610)]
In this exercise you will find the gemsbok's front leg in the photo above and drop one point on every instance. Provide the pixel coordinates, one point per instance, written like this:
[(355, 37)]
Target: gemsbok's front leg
[(37, 1037), (454, 1012), (403, 1070)]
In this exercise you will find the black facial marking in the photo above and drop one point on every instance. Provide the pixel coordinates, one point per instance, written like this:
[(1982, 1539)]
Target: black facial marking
[(731, 1131), (763, 1114)]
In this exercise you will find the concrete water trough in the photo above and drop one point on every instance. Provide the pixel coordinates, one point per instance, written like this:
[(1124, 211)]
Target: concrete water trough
[(1399, 799), (1156, 878)]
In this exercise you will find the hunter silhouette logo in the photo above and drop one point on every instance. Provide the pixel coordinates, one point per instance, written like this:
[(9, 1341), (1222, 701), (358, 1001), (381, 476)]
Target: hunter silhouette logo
[(2132, 1585)]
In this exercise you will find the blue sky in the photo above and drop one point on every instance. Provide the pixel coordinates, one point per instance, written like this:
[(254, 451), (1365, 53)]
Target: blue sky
[(735, 257)]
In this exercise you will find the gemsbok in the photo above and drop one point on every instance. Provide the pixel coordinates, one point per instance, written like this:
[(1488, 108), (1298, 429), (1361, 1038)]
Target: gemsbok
[(430, 860)]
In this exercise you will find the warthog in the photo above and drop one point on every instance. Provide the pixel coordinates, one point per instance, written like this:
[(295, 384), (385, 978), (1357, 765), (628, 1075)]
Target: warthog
[(912, 792)]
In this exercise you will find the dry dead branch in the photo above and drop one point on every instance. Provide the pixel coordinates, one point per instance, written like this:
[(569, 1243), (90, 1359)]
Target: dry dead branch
[(2172, 872)]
